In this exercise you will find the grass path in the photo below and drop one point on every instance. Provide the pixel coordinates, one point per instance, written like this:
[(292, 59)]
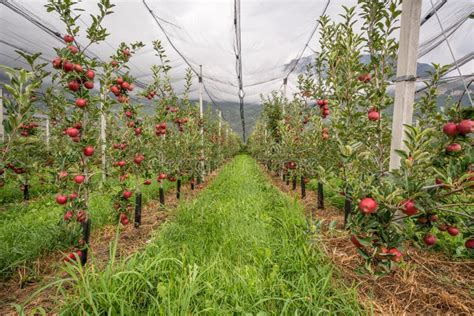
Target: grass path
[(239, 248)]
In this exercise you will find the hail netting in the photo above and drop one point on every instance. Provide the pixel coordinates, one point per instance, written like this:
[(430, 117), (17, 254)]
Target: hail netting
[(201, 32)]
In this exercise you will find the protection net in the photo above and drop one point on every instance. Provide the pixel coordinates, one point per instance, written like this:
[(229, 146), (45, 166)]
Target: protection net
[(278, 39)]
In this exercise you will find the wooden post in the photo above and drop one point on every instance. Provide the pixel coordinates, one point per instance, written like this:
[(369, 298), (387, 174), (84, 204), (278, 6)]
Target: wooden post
[(2, 129), (406, 76), (285, 83), (138, 209)]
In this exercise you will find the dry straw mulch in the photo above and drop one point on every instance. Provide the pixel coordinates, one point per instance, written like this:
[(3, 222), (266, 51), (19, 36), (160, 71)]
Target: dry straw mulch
[(427, 283)]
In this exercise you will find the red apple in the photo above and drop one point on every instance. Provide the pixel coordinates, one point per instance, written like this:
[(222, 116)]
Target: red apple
[(162, 176), (127, 194), (73, 49), (138, 159), (73, 195), (147, 182), (125, 85), (128, 114), (138, 131), (465, 127), (57, 63), (67, 216), (89, 85), (450, 129), (81, 216), (70, 257), (68, 66), (469, 243), (121, 163), (364, 77), (81, 103), (72, 132), (90, 74), (453, 231), (125, 221), (453, 148), (368, 205), (115, 90), (78, 68), (68, 38), (61, 199), (373, 116), (409, 207), (79, 178), (429, 240), (396, 254), (73, 85), (443, 227), (88, 151)]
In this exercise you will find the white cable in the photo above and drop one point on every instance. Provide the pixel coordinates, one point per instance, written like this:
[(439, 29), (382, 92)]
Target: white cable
[(451, 51)]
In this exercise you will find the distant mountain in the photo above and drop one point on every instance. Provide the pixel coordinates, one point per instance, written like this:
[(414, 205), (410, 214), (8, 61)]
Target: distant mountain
[(422, 68)]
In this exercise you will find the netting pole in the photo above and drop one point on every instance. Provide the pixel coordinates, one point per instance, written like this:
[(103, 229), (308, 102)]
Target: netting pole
[(406, 76), (47, 132), (103, 145), (2, 129), (201, 115), (285, 81), (103, 140), (219, 134)]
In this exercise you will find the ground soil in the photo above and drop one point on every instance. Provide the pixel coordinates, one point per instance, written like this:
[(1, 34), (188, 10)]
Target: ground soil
[(22, 287), (427, 283)]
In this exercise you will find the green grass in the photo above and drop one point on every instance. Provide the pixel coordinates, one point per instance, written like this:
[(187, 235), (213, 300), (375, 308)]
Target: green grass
[(240, 248), (31, 229), (11, 193)]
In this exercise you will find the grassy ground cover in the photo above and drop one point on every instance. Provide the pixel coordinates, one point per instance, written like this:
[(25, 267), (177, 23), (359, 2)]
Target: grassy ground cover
[(31, 229), (240, 248)]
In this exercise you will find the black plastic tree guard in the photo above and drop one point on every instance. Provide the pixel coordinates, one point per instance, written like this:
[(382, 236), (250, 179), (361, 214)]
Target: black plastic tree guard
[(303, 188), (26, 192), (162, 196), (320, 196), (178, 189), (287, 176), (86, 233), (294, 184), (192, 183), (347, 208), (138, 209)]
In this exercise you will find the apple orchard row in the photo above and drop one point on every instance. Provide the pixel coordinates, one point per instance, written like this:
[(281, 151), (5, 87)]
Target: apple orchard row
[(177, 143), (337, 129)]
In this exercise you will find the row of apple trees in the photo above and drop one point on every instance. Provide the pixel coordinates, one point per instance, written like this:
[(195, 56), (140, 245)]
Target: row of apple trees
[(337, 129), (100, 137)]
